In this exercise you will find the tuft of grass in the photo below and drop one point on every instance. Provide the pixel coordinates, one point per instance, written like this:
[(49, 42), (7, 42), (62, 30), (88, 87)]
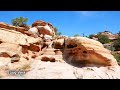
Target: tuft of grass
[(25, 67), (1, 76)]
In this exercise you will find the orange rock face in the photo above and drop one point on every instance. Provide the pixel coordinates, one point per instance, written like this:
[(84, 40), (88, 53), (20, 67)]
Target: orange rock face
[(4, 54), (43, 31), (87, 51), (35, 48), (45, 59), (51, 59), (24, 49), (34, 56), (10, 27), (39, 23)]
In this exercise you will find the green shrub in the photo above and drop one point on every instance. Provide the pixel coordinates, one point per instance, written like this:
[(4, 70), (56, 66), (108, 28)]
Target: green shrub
[(117, 57), (91, 36), (103, 39), (116, 44), (110, 48), (1, 76), (19, 21), (76, 35)]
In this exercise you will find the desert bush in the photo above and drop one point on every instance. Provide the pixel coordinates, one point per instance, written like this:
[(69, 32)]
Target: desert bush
[(117, 56), (25, 67), (21, 21), (91, 36), (103, 38), (1, 76), (76, 35), (116, 44)]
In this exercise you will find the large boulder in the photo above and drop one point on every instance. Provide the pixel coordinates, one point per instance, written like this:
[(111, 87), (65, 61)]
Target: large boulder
[(87, 51), (44, 27), (58, 43), (34, 30), (39, 23)]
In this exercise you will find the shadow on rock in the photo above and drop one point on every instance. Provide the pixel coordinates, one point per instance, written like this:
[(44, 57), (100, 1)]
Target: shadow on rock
[(81, 64)]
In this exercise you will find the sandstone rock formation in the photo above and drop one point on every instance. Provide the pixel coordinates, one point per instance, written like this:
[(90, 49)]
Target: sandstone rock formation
[(59, 43), (44, 27), (34, 31), (14, 43), (109, 34), (87, 51), (10, 49), (41, 56), (15, 37), (10, 27)]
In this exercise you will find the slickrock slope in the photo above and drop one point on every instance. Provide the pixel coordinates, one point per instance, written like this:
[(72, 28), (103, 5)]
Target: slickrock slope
[(58, 70), (63, 70)]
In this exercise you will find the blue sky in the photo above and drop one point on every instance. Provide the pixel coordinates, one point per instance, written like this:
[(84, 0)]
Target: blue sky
[(70, 22)]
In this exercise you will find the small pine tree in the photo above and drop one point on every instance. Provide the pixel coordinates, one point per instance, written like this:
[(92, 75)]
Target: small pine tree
[(19, 21)]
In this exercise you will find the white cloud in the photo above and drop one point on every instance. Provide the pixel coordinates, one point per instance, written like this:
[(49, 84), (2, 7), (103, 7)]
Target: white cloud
[(87, 13)]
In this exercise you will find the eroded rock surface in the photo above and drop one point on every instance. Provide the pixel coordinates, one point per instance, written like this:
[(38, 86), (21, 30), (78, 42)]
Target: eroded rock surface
[(43, 56), (11, 36), (44, 27), (84, 50)]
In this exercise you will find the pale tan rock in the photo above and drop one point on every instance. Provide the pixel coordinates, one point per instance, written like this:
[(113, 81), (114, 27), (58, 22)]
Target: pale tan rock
[(37, 69), (58, 52), (18, 65), (4, 54), (85, 50), (4, 61), (17, 38), (49, 52), (10, 27), (57, 70), (34, 30), (58, 43), (10, 49)]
